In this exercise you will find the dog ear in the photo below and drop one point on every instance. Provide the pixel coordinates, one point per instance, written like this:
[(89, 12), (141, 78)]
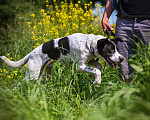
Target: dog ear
[(102, 41), (116, 40), (100, 45)]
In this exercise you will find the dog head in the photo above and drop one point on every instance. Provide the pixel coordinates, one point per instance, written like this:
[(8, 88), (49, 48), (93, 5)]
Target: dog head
[(106, 48)]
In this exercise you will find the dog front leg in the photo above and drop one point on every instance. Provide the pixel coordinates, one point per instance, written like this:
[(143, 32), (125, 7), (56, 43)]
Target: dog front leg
[(95, 71)]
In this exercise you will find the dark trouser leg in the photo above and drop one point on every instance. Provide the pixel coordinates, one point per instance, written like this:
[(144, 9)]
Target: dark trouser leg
[(131, 31), (124, 30)]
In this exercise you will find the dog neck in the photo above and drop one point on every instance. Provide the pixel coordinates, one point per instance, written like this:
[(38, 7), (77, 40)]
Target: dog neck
[(93, 47), (92, 43)]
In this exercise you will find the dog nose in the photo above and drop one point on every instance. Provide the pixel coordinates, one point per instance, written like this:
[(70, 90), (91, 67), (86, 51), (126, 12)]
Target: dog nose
[(121, 59)]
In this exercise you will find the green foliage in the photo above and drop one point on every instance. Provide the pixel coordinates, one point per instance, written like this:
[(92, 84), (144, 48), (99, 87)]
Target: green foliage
[(141, 63), (69, 95)]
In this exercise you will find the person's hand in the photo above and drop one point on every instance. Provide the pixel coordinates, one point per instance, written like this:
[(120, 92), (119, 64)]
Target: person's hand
[(105, 25), (107, 13)]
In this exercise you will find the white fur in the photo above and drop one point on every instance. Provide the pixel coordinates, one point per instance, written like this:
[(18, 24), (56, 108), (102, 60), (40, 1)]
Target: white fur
[(116, 56)]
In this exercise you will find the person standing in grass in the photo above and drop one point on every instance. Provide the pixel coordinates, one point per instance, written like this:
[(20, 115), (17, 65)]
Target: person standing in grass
[(132, 25)]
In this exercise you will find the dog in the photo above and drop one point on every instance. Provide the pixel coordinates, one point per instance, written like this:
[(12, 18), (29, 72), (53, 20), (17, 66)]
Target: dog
[(78, 47)]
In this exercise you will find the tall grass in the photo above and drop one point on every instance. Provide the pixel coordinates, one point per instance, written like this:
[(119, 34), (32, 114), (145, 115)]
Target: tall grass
[(68, 94)]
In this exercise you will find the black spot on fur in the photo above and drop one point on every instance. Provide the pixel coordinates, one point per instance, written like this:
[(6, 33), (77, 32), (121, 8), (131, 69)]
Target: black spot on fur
[(109, 49), (105, 47), (63, 44), (48, 48)]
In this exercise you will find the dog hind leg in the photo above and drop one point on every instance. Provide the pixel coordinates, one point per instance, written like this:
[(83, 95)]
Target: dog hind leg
[(47, 69), (33, 68)]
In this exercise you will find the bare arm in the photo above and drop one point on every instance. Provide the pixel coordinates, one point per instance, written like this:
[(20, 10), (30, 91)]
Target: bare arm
[(107, 13)]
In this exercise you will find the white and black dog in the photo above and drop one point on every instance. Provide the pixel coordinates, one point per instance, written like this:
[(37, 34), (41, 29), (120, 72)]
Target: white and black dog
[(78, 47)]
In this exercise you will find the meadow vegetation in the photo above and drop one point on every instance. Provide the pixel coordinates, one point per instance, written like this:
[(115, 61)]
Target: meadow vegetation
[(68, 94)]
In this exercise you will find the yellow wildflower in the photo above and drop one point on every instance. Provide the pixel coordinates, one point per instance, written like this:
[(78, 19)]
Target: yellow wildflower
[(64, 25), (33, 37), (12, 75), (34, 27), (40, 37), (45, 14), (40, 23), (9, 76), (96, 5), (66, 34), (54, 1), (10, 58), (52, 19), (85, 7), (15, 72), (25, 65), (76, 5), (47, 6), (48, 17), (32, 15), (28, 23), (46, 40), (37, 44), (83, 23), (42, 10)]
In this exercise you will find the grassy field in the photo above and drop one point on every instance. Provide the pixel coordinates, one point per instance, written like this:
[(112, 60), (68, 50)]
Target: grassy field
[(68, 95)]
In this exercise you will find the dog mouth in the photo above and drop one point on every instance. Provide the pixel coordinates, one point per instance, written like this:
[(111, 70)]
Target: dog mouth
[(110, 63)]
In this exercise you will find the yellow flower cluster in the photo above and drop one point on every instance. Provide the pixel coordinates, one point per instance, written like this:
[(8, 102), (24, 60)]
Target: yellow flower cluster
[(9, 73), (1, 74), (61, 20), (9, 76)]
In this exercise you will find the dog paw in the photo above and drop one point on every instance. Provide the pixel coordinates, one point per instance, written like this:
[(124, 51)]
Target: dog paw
[(97, 82)]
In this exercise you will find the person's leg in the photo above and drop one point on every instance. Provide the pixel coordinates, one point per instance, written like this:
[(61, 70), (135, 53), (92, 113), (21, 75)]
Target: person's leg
[(124, 30), (142, 30)]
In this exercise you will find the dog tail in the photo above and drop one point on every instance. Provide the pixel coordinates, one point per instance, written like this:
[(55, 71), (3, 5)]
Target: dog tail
[(15, 64)]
